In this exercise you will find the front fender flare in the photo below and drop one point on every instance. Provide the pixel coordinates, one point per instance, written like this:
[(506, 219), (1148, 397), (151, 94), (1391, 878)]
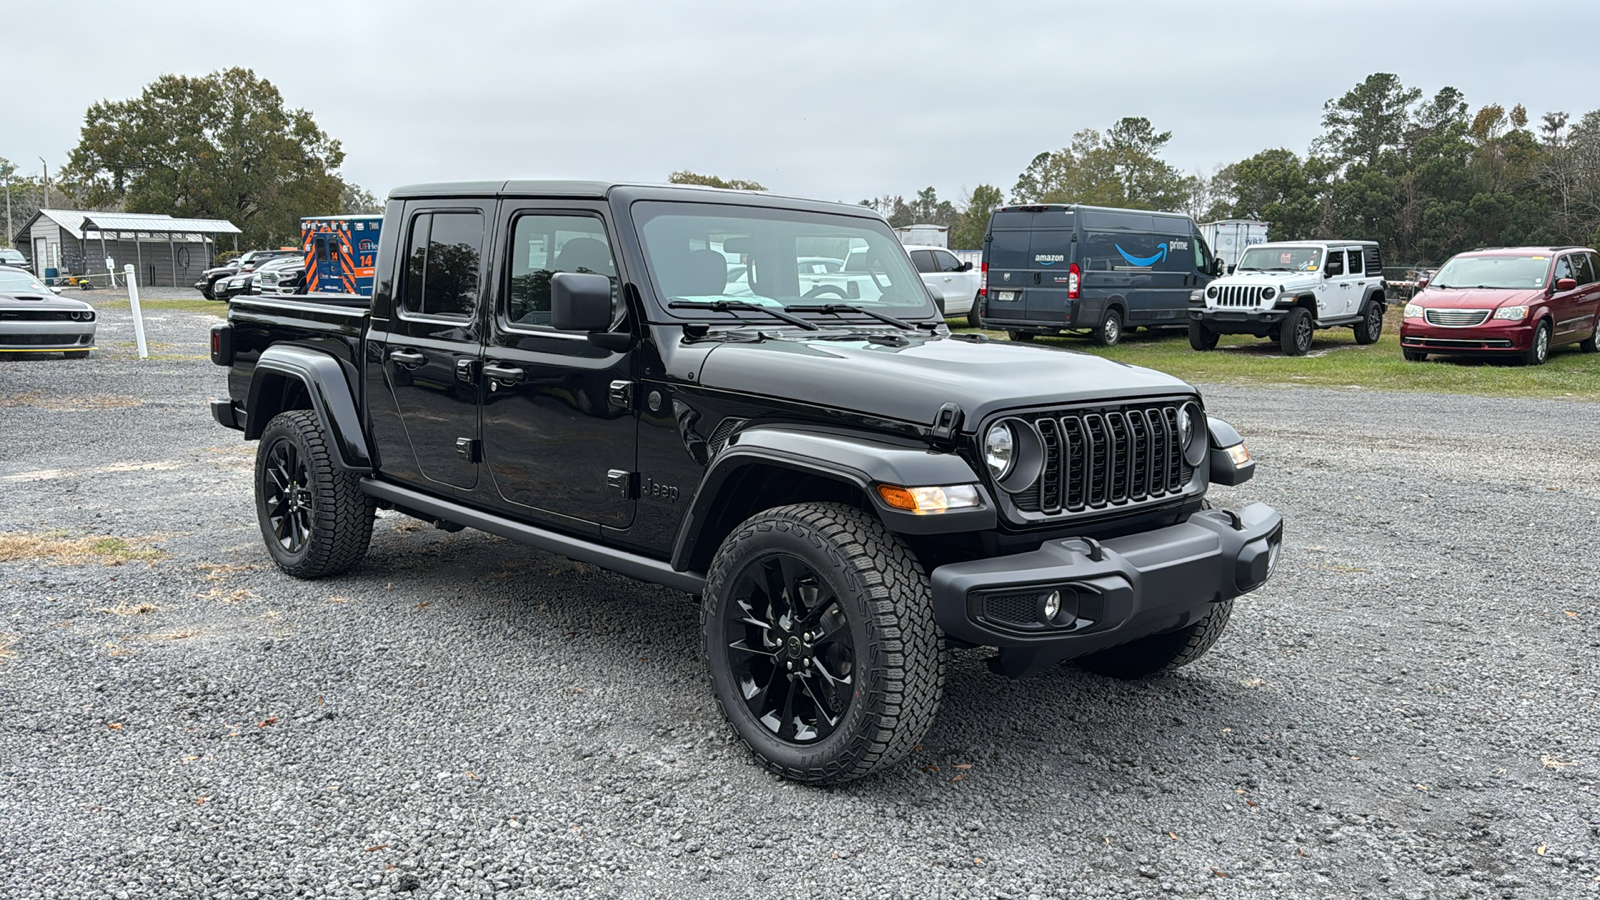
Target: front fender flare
[(862, 462), (331, 399)]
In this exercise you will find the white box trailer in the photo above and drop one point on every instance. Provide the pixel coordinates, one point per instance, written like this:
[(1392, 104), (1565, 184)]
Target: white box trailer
[(924, 235), (1228, 238)]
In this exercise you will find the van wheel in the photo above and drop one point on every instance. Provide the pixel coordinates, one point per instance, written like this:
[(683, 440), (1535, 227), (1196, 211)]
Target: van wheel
[(1539, 350), (1590, 345), (820, 641), (974, 320), (1370, 328), (1202, 337), (1021, 337), (1297, 332), (1161, 652), (313, 516), (1110, 330), (1414, 355)]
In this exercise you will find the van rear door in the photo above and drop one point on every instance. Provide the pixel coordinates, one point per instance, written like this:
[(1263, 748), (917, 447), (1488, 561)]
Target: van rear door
[(1028, 254)]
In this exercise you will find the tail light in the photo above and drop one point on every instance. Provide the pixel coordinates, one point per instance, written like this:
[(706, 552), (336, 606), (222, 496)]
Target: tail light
[(983, 279), (222, 344), (1074, 280)]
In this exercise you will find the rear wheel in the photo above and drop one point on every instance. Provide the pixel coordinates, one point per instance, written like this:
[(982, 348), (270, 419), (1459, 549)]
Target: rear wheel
[(1539, 350), (1109, 332), (1371, 325), (820, 642), (313, 516), (973, 319), (1161, 652), (1202, 337), (1590, 345), (1296, 334)]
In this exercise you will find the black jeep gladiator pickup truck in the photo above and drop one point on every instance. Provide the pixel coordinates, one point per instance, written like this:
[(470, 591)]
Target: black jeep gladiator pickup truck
[(683, 385)]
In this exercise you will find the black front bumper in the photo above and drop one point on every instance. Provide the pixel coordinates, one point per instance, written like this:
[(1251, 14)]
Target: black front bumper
[(1109, 592), (1258, 322)]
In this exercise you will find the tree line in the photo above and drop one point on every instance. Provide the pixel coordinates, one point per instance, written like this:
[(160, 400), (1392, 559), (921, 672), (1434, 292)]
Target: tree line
[(1426, 177)]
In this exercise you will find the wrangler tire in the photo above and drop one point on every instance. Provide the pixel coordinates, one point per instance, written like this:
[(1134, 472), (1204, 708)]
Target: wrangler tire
[(313, 516), (1161, 652)]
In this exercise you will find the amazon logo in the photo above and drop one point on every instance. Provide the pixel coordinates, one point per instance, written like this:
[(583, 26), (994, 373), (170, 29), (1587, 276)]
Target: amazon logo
[(1161, 253)]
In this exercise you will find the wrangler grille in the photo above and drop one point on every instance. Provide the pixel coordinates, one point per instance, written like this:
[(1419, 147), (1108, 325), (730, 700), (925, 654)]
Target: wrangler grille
[(1240, 295), (1457, 318), (1106, 458)]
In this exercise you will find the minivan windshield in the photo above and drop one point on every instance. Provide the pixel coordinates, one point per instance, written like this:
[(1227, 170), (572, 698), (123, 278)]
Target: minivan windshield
[(1280, 259), (1504, 272), (706, 253)]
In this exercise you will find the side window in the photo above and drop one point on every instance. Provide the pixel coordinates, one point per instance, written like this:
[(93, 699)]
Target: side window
[(1335, 263), (1202, 253), (1355, 261), (1563, 269), (946, 262), (416, 261), (1584, 263), (1374, 261), (923, 260), (443, 263), (542, 245)]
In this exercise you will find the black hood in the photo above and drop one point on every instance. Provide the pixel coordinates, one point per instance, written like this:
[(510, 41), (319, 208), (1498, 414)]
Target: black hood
[(911, 379)]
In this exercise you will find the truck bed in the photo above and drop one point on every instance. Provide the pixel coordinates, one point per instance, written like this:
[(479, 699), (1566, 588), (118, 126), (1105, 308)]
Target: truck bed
[(334, 323)]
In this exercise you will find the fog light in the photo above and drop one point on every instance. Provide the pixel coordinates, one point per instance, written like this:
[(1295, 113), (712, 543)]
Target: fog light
[(1239, 454), (1052, 605)]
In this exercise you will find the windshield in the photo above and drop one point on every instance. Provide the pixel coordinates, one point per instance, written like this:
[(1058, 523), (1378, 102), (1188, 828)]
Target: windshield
[(703, 253), (1504, 272), (1280, 259), (20, 283)]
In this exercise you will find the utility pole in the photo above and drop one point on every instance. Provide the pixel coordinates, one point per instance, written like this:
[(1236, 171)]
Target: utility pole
[(46, 183)]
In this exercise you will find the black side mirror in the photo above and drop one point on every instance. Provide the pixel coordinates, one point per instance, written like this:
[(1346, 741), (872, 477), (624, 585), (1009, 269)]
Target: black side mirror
[(1216, 266), (580, 301), (965, 267)]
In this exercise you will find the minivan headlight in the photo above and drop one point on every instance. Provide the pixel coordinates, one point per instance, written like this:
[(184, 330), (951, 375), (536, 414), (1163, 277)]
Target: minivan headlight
[(1413, 311), (999, 450), (1514, 313)]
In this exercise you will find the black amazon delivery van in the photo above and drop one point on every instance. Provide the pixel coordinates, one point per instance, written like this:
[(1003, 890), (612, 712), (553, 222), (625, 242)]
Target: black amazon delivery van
[(1053, 268)]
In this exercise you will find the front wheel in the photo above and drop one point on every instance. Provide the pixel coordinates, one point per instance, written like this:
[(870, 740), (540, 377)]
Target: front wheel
[(1109, 332), (820, 642), (1296, 335), (1371, 325), (312, 514), (1414, 355), (1202, 337), (1161, 652), (1539, 350)]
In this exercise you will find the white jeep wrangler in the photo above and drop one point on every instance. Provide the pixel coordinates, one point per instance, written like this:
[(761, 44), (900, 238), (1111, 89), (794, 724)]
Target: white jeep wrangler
[(1286, 290)]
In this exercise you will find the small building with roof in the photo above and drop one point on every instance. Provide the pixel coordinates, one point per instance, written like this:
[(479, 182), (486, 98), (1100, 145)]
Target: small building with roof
[(162, 249)]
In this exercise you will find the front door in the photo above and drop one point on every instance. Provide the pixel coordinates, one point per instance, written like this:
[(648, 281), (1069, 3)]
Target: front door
[(559, 433), (1334, 285), (431, 351)]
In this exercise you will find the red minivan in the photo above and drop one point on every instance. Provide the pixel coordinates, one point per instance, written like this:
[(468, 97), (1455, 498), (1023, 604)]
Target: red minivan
[(1508, 301)]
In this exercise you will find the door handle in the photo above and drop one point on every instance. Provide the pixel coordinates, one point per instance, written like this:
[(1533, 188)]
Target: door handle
[(502, 374), (409, 358)]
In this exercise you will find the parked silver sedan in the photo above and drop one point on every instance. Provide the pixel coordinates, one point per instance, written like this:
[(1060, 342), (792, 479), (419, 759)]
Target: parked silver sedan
[(34, 319)]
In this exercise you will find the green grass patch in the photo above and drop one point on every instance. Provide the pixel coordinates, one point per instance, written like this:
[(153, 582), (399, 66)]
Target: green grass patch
[(197, 305), (1336, 360)]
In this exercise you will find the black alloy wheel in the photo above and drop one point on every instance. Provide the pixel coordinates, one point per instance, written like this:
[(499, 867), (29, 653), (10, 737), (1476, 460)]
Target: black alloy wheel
[(1370, 328), (1201, 337), (286, 494), (313, 516), (1297, 333), (790, 647)]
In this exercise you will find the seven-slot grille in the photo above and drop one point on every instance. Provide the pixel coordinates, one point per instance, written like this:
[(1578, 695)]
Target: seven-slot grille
[(1239, 295), (1457, 318), (1097, 459)]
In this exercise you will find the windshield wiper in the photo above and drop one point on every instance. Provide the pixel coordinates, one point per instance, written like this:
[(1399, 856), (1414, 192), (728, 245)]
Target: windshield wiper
[(837, 308), (730, 305)]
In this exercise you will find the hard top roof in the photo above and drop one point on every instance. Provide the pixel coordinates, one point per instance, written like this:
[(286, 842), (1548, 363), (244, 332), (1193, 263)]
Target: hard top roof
[(1333, 242)]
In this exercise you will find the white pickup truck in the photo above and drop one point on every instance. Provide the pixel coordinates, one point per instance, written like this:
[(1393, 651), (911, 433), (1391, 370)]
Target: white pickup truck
[(1287, 290)]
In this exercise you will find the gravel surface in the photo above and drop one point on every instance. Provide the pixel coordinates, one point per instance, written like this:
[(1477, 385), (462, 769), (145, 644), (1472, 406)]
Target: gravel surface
[(1408, 710)]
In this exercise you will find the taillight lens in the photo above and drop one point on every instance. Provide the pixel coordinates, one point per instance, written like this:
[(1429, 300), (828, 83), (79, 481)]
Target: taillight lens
[(983, 279), (1074, 280)]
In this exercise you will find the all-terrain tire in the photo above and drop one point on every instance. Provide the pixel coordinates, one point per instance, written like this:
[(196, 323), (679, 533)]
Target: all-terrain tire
[(1297, 332), (1370, 328), (1201, 337), (897, 664), (313, 516), (1109, 332), (1161, 652)]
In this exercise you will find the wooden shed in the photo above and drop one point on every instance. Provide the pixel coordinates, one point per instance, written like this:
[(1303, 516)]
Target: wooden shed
[(162, 249)]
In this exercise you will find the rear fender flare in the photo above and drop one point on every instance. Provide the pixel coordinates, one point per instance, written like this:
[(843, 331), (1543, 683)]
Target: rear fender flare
[(327, 387), (859, 462)]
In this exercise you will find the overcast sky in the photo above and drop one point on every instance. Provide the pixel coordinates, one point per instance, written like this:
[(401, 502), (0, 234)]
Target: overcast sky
[(837, 100)]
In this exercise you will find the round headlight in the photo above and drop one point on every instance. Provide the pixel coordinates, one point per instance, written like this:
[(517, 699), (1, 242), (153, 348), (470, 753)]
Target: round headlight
[(1269, 292), (1212, 292), (999, 450), (1192, 434)]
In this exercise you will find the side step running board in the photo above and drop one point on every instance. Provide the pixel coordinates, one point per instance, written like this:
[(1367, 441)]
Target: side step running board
[(630, 564)]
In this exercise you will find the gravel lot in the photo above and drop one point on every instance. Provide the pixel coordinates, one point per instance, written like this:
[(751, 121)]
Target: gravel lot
[(1408, 710)]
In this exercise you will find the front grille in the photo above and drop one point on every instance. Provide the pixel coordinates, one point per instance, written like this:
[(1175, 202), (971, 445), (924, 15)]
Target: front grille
[(1105, 458), (1457, 318), (1240, 295), (41, 315), (43, 340)]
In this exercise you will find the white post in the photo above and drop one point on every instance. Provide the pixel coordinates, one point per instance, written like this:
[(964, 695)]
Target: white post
[(138, 317)]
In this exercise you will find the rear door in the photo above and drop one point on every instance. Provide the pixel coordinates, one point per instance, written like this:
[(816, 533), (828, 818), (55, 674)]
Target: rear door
[(431, 348), (1045, 282)]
